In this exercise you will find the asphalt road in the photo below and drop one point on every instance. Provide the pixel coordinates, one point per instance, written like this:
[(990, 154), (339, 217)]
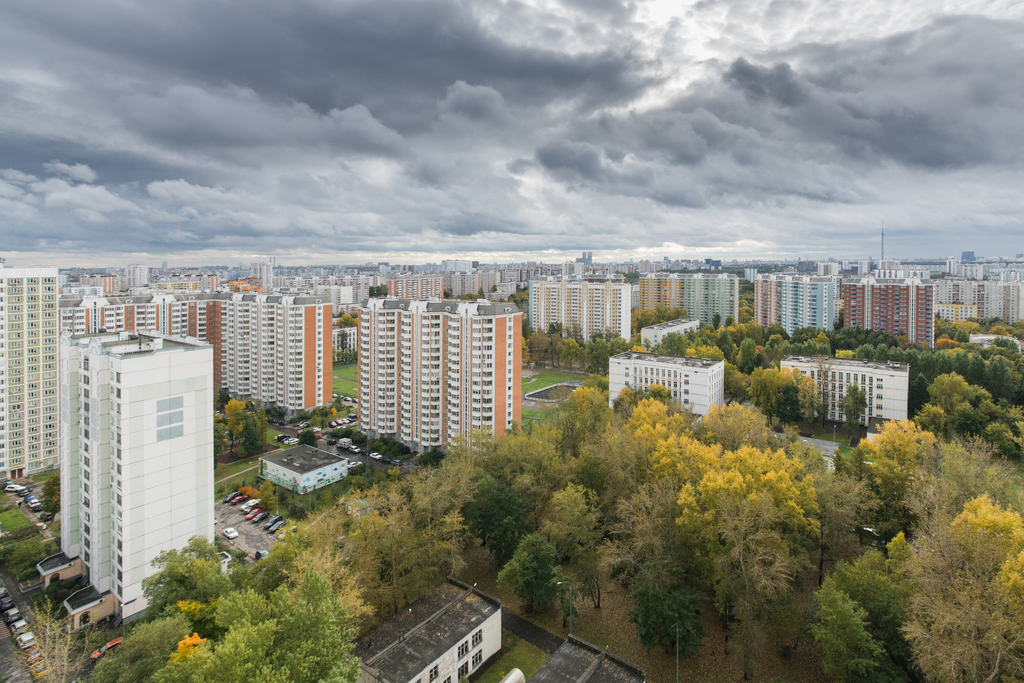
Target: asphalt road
[(12, 664)]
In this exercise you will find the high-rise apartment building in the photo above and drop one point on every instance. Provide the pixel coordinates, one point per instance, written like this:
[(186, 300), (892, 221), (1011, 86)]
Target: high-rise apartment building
[(586, 307), (137, 275), (462, 282), (431, 370), (991, 299), (137, 472), (702, 295), (898, 306), (277, 349), (264, 272), (417, 287), (29, 358), (794, 301)]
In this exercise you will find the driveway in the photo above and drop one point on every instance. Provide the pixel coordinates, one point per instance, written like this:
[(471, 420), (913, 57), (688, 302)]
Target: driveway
[(827, 448), (12, 665), (251, 537)]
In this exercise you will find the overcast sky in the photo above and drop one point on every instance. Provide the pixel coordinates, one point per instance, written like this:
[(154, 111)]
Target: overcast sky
[(212, 131)]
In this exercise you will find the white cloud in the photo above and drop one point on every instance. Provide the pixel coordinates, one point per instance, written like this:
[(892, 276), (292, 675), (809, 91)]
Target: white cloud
[(79, 172)]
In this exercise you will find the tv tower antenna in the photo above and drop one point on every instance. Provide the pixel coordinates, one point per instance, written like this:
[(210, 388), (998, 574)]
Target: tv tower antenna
[(883, 241)]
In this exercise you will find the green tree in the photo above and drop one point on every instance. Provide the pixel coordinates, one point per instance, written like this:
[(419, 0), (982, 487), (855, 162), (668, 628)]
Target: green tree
[(716, 320), (840, 629), (235, 412), (917, 396), (855, 403), (251, 435), (531, 572), (145, 651), (656, 612), (949, 392), (51, 493), (499, 518), (748, 352), (268, 501), (308, 437), (575, 530), (192, 573)]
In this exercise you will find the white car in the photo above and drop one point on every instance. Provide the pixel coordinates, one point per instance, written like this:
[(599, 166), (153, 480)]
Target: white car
[(14, 488), (376, 456), (248, 505), (26, 640), (353, 465), (19, 627), (231, 533)]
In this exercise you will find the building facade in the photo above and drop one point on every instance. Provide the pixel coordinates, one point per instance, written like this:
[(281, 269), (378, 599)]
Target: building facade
[(955, 313), (137, 476), (887, 384), (417, 287), (586, 307), (277, 349), (794, 301), (431, 370), (652, 335), (303, 469), (697, 383), (472, 282), (702, 295), (29, 367), (898, 306)]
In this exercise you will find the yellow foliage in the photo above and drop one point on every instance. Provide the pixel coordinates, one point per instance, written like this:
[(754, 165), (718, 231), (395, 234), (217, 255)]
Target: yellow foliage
[(651, 421), (684, 459), (1003, 529), (845, 353), (639, 349), (187, 647)]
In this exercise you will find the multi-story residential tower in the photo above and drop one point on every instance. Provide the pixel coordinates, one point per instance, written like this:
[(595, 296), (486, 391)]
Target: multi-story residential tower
[(264, 272), (417, 287), (137, 471), (794, 301), (277, 349), (136, 275), (701, 295), (582, 306), (430, 370), (29, 357), (902, 306), (887, 384), (697, 383), (462, 282)]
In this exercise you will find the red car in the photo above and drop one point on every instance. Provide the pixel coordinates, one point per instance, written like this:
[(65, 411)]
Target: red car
[(106, 648), (255, 511), (240, 498)]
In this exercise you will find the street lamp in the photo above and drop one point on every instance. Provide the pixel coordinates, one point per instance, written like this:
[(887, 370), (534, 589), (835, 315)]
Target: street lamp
[(677, 650), (833, 432), (570, 602)]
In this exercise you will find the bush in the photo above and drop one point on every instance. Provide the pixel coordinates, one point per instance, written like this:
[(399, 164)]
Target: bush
[(359, 438), (432, 458)]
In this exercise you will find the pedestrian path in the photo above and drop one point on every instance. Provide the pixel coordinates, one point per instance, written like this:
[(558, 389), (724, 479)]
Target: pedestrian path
[(530, 632)]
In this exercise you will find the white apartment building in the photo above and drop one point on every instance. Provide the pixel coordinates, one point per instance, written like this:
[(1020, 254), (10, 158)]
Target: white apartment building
[(445, 639), (277, 349), (887, 384), (430, 370), (137, 472), (697, 383), (470, 282), (264, 272), (345, 338), (584, 306), (955, 312), (1003, 300), (29, 358), (136, 275), (795, 301), (702, 295), (985, 340), (655, 334)]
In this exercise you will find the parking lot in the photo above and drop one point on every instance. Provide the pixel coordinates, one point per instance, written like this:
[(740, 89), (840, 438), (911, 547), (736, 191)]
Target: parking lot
[(251, 537)]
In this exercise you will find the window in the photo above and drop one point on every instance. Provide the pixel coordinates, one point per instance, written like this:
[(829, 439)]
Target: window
[(463, 668), (478, 638), (433, 673), (478, 657), (463, 651)]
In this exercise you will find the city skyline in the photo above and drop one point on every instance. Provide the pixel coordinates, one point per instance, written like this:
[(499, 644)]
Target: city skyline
[(413, 132)]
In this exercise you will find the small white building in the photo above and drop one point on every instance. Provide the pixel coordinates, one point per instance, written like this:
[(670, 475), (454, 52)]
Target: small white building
[(345, 338), (985, 340), (887, 384), (697, 383), (441, 638), (303, 469), (655, 334)]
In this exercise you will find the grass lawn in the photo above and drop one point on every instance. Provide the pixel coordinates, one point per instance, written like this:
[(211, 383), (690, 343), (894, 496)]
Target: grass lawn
[(43, 476), (232, 468), (533, 416), (345, 380), (546, 379), (13, 518), (516, 653), (234, 483)]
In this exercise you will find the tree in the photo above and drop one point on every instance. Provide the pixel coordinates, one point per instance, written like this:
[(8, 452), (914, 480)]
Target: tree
[(192, 573), (745, 360), (499, 517), (63, 653), (949, 392), (840, 629), (251, 436), (308, 437), (716, 320), (656, 612), (51, 493), (145, 650), (299, 635), (855, 403), (574, 529), (789, 404), (235, 412), (268, 501), (917, 396), (531, 572), (766, 389)]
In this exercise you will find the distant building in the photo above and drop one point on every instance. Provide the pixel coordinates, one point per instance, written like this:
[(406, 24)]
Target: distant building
[(345, 338), (655, 334), (887, 384), (985, 340), (895, 306), (303, 469), (829, 268), (417, 287), (967, 256), (585, 307), (955, 312), (578, 661), (442, 638), (750, 274), (701, 295), (697, 383), (794, 301)]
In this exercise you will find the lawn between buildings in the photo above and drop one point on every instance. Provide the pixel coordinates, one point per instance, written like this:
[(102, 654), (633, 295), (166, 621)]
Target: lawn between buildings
[(12, 518), (516, 653), (345, 378)]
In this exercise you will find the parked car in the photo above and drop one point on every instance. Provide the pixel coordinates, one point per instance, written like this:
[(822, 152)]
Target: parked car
[(277, 525), (272, 521), (26, 640), (352, 416), (19, 627), (227, 498), (260, 517), (250, 504), (394, 461), (14, 488), (12, 615), (230, 533), (291, 441), (240, 498), (6, 603), (303, 424), (332, 424), (3, 591), (355, 449), (47, 516), (253, 513), (280, 437), (106, 648), (376, 456), (260, 554), (25, 493), (354, 464)]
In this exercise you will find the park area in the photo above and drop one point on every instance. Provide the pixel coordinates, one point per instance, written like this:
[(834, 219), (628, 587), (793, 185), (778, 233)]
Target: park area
[(345, 378), (534, 412)]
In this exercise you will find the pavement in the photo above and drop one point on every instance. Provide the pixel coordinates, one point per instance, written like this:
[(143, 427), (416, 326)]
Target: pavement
[(827, 448), (530, 632), (12, 664), (251, 537)]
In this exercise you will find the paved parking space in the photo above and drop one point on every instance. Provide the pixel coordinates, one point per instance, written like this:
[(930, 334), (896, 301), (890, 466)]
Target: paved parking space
[(251, 537), (12, 664)]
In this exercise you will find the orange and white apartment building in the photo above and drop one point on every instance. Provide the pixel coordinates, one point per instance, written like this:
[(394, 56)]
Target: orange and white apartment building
[(431, 370)]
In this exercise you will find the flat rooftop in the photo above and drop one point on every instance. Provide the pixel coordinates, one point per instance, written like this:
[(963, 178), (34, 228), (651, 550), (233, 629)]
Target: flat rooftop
[(302, 459), (577, 661), (672, 323), (684, 361), (83, 598), (889, 366), (53, 562), (404, 645)]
